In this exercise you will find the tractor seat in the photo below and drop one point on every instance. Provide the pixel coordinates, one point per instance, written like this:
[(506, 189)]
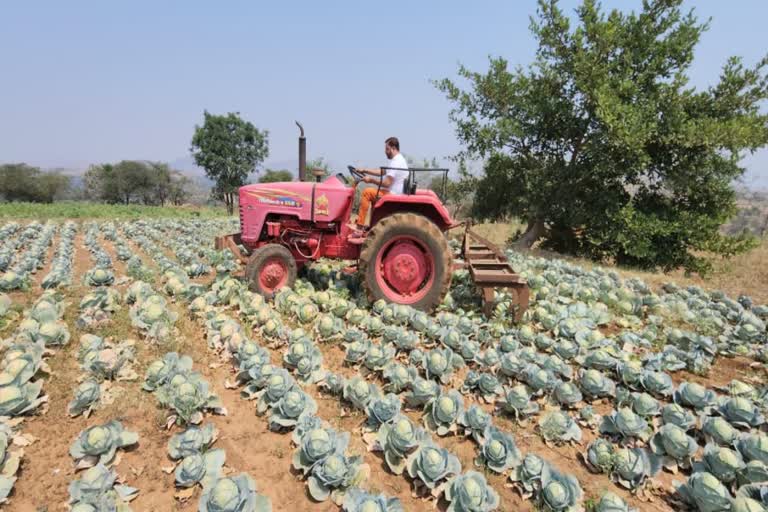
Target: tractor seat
[(409, 187)]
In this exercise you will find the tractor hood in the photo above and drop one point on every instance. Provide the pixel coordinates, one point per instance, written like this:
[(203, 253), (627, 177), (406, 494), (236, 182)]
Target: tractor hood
[(302, 200), (291, 194)]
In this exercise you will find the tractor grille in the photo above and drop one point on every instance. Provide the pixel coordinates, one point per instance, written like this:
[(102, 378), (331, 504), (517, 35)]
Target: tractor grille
[(242, 218)]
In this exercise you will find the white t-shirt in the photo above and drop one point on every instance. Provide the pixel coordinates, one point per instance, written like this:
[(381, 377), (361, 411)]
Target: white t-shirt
[(398, 177)]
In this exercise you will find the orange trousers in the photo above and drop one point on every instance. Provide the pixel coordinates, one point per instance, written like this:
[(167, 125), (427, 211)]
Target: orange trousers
[(367, 198)]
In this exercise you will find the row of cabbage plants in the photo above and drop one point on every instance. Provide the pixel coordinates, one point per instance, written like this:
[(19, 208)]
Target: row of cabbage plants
[(60, 273), (296, 402), (321, 455), (35, 238), (8, 243), (184, 392), (337, 473), (22, 372)]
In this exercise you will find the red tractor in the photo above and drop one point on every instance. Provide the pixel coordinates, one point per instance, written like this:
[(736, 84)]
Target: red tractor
[(403, 258)]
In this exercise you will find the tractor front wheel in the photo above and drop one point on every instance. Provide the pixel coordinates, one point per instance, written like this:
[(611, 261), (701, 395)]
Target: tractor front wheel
[(270, 268), (406, 260)]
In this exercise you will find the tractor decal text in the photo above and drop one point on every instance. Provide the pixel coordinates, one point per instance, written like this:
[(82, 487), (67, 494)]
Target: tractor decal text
[(277, 198)]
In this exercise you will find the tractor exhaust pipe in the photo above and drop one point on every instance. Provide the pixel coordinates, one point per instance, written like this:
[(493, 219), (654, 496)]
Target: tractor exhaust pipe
[(302, 153)]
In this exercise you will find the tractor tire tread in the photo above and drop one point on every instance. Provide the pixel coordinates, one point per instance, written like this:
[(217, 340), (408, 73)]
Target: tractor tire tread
[(258, 256), (443, 260)]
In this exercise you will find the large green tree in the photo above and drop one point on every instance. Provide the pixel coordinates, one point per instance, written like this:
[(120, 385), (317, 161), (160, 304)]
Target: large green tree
[(22, 182), (229, 149), (603, 146), (151, 183)]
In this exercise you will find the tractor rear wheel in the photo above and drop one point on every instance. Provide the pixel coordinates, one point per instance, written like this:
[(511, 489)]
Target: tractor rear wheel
[(405, 259), (270, 268)]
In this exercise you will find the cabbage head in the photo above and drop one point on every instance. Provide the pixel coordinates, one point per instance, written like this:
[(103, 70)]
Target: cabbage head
[(724, 463), (559, 492), (358, 392), (595, 385), (675, 414), (86, 396), (316, 445), (740, 412), (292, 405), (558, 427), (398, 377), (527, 475), (233, 494), (470, 492), (498, 452), (382, 410), (193, 440), (610, 502), (99, 444), (704, 492), (626, 425), (599, 456), (443, 413), (19, 400), (673, 446), (475, 421), (397, 440), (334, 475), (98, 487), (200, 468), (695, 396), (432, 466), (421, 392), (358, 500), (632, 467), (517, 402)]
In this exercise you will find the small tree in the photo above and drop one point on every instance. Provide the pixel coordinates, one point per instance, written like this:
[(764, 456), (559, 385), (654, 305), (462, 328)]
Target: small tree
[(276, 176), (229, 149)]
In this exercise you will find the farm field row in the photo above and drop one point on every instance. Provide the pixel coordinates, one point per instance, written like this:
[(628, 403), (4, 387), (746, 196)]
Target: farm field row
[(138, 370)]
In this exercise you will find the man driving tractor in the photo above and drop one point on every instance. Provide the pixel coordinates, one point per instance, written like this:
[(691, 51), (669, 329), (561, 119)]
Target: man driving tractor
[(390, 180)]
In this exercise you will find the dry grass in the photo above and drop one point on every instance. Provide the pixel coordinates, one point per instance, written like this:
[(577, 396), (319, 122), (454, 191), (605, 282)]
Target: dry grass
[(743, 274)]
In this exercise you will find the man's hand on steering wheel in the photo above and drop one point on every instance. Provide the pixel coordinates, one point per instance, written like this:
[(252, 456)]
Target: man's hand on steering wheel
[(356, 175)]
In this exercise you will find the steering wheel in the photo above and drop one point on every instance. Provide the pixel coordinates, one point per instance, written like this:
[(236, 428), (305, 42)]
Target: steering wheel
[(357, 175)]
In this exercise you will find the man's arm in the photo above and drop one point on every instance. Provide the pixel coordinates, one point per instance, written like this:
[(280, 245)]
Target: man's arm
[(386, 181)]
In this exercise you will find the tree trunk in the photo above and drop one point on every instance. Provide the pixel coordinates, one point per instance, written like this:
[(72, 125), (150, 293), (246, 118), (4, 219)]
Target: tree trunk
[(229, 199), (533, 233)]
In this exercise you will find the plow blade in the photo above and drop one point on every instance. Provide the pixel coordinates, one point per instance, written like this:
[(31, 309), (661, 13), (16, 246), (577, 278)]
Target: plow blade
[(231, 242), (490, 270)]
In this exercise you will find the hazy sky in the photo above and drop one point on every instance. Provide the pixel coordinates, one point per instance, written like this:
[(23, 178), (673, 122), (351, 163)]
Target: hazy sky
[(98, 81)]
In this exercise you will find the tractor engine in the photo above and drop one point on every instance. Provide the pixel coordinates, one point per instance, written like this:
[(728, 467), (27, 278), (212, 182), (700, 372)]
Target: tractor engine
[(300, 238)]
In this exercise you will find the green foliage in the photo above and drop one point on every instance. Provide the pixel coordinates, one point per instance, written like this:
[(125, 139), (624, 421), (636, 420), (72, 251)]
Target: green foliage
[(602, 146), (276, 176), (21, 182), (89, 210), (135, 181), (229, 149)]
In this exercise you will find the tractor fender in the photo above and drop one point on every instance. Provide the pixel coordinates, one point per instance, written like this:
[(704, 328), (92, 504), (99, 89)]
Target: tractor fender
[(423, 202)]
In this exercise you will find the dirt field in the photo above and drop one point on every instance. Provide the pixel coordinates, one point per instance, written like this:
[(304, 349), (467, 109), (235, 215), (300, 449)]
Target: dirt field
[(266, 456)]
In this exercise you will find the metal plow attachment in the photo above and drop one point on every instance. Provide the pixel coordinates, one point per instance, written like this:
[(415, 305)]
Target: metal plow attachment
[(232, 243), (490, 270)]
